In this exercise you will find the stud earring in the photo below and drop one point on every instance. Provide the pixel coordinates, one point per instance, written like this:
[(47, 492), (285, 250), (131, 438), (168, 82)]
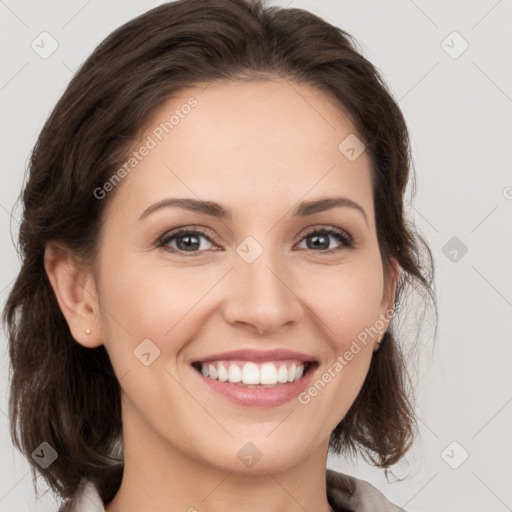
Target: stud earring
[(88, 331), (381, 335)]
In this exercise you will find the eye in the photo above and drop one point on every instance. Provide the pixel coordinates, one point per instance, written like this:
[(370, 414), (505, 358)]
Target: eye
[(186, 240), (319, 239)]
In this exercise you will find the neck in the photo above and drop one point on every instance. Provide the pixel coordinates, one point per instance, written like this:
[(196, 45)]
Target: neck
[(161, 477)]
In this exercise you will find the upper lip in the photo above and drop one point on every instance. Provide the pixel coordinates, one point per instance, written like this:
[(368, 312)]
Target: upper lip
[(257, 355)]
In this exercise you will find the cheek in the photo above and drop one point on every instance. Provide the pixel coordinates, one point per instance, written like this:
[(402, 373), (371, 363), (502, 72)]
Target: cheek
[(346, 305), (155, 302), (346, 300)]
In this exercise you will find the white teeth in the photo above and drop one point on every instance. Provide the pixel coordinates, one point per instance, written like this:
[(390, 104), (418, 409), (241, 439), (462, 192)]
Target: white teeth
[(235, 374), (223, 374), (268, 374), (291, 373), (252, 374), (282, 374), (212, 371)]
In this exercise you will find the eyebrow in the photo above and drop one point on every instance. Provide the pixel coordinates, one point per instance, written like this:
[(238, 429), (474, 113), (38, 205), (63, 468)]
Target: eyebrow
[(217, 210)]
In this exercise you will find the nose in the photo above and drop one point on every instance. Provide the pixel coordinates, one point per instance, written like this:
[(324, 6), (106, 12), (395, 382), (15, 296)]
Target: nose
[(261, 295)]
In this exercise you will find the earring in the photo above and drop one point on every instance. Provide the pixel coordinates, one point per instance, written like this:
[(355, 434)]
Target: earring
[(380, 338), (88, 331)]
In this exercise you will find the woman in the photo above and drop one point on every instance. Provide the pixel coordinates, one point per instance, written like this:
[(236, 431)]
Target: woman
[(213, 243)]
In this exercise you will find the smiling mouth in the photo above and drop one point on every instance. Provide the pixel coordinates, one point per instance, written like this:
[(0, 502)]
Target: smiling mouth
[(255, 375)]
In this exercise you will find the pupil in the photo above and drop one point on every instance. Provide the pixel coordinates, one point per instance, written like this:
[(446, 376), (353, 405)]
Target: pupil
[(188, 244), (323, 238)]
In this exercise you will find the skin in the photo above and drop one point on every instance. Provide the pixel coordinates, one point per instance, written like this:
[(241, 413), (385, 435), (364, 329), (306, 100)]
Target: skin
[(257, 148)]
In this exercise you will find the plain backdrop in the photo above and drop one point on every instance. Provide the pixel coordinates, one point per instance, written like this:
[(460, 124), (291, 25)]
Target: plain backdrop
[(448, 64)]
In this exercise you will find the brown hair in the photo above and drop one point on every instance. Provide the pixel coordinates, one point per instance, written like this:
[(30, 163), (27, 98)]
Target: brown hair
[(68, 395)]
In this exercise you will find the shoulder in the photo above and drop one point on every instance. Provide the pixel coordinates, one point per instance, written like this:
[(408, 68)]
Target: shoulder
[(87, 499), (347, 493)]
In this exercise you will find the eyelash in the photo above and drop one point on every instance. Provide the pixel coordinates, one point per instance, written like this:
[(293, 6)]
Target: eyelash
[(347, 242)]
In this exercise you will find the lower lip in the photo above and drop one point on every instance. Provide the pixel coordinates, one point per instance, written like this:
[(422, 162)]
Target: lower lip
[(259, 397)]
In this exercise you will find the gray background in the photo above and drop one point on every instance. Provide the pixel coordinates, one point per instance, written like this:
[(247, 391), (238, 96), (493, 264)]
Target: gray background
[(458, 107)]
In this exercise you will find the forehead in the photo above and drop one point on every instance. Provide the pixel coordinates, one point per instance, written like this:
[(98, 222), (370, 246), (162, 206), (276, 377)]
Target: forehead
[(261, 141)]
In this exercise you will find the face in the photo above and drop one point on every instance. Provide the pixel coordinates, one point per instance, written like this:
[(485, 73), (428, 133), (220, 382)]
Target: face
[(266, 277)]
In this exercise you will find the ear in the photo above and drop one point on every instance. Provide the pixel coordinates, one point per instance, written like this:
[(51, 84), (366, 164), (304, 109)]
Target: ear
[(388, 296), (76, 294)]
